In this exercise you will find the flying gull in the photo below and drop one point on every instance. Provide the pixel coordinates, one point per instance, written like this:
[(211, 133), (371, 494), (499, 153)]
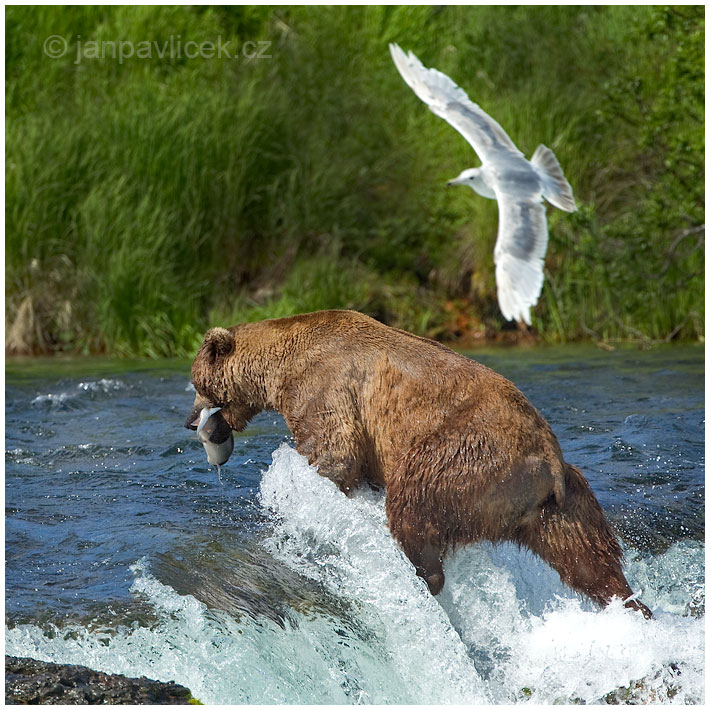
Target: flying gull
[(505, 175)]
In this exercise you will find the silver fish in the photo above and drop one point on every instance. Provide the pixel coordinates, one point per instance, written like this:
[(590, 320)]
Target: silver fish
[(215, 435)]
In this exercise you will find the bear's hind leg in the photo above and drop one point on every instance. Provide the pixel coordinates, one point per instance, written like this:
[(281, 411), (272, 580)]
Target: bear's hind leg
[(427, 560), (578, 542), (418, 538)]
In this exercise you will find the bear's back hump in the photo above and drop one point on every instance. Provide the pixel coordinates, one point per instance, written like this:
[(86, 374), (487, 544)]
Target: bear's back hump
[(367, 344)]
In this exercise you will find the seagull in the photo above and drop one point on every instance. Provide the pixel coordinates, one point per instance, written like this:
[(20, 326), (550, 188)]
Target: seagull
[(505, 175)]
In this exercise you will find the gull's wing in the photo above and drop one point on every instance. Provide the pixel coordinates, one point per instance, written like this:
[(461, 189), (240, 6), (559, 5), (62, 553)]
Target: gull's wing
[(520, 254), (451, 103)]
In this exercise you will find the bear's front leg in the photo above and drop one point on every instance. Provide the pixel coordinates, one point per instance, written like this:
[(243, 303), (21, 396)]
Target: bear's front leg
[(326, 426), (339, 466)]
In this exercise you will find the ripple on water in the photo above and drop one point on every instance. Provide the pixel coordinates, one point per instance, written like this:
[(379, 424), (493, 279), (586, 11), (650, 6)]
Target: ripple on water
[(76, 397)]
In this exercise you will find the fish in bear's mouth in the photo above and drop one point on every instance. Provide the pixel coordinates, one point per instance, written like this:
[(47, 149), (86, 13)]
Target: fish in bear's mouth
[(214, 433)]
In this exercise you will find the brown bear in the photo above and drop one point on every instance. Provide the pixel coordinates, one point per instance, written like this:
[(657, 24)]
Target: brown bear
[(462, 454)]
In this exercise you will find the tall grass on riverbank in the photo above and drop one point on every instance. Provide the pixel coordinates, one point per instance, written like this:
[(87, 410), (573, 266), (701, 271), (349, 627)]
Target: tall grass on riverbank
[(149, 198)]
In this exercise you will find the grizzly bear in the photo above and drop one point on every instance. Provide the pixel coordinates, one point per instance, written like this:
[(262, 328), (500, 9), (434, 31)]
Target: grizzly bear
[(462, 455)]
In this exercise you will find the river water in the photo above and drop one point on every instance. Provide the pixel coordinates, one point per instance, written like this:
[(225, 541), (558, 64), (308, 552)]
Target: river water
[(126, 552)]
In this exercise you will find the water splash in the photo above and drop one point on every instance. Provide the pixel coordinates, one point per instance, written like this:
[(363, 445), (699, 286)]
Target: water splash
[(345, 545), (504, 630), (521, 634)]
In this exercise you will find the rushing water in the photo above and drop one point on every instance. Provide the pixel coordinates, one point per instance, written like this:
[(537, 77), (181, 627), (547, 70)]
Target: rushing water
[(124, 552)]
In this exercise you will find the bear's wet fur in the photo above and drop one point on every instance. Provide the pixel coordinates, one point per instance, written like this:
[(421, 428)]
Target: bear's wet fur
[(462, 454)]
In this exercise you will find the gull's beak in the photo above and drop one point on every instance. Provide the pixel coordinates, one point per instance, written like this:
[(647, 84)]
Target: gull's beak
[(465, 178)]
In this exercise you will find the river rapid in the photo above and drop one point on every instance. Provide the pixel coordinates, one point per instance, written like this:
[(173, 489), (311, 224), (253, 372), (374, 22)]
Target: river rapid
[(126, 552)]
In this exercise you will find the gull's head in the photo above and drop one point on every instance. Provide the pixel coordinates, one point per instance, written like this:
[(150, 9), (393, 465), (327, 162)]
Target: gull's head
[(469, 177)]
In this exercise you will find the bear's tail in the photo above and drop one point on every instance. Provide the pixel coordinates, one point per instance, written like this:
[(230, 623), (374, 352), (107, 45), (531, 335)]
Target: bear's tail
[(578, 542)]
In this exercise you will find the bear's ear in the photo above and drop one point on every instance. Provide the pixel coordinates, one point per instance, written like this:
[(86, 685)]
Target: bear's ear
[(219, 342)]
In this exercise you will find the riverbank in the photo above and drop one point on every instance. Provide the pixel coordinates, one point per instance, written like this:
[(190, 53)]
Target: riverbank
[(148, 198), (459, 332)]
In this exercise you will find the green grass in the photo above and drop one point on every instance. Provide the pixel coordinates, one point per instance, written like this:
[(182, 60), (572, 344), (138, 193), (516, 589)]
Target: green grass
[(149, 199)]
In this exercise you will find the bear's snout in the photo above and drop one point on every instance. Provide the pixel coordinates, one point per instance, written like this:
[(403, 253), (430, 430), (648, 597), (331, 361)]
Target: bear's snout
[(193, 418)]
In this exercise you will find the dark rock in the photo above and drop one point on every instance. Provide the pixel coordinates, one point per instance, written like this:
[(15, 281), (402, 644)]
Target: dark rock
[(30, 682)]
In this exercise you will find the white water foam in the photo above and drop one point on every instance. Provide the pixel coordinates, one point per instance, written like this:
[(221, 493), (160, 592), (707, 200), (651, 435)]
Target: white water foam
[(344, 544), (527, 636), (504, 630)]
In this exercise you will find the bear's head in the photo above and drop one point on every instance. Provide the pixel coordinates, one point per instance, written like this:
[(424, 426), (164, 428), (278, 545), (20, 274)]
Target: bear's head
[(220, 374)]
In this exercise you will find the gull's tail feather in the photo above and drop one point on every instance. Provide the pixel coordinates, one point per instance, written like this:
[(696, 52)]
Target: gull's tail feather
[(556, 189)]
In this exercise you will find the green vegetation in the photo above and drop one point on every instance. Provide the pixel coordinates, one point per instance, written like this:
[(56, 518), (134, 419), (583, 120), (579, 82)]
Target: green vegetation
[(147, 198)]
